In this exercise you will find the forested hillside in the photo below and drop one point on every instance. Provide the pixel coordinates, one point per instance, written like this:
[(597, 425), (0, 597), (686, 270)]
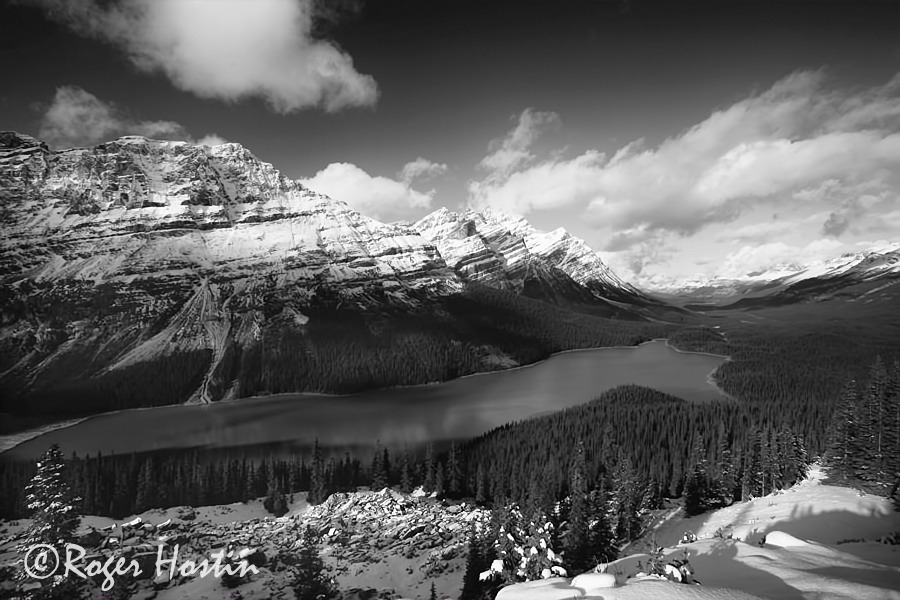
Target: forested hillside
[(343, 350)]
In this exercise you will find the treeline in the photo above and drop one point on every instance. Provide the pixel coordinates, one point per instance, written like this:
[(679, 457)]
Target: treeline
[(864, 440), (336, 351), (349, 351), (700, 339), (168, 379), (656, 443), (121, 485)]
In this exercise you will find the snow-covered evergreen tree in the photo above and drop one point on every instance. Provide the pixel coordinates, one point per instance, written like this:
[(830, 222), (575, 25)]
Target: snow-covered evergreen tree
[(51, 502)]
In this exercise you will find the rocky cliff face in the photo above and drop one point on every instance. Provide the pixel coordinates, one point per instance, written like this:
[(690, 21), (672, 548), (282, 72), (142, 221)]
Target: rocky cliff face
[(166, 271), (139, 248), (505, 251)]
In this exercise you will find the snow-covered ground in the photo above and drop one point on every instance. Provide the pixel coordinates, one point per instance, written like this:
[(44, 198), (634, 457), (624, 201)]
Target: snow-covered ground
[(807, 552), (821, 542)]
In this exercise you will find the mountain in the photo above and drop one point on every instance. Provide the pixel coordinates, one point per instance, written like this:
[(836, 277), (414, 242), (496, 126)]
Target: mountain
[(506, 252), (871, 274), (141, 272)]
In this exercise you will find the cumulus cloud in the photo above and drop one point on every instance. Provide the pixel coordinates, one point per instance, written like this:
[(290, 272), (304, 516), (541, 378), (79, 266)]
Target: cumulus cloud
[(421, 168), (76, 117), (375, 196), (769, 147), (227, 50)]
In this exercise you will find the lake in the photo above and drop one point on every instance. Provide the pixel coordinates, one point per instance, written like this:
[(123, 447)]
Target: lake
[(456, 409)]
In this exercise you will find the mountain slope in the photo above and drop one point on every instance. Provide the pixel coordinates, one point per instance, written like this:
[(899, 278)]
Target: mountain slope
[(142, 272), (853, 274), (506, 252)]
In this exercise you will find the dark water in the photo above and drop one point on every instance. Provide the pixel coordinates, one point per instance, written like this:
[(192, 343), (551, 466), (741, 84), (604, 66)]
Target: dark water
[(412, 415)]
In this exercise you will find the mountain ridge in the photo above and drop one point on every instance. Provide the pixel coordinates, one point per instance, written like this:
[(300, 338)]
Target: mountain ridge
[(209, 260)]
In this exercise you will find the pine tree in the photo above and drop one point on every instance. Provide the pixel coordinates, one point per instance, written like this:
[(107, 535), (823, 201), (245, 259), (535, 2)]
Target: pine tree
[(275, 502), (147, 487), (697, 485), (51, 503), (480, 486), (430, 475), (454, 472), (471, 589), (379, 475), (310, 580), (405, 475), (317, 485), (843, 440), (55, 518), (439, 488), (577, 537), (433, 594)]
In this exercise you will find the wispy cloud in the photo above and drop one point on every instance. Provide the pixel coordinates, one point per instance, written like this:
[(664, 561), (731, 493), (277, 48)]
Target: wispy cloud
[(421, 168), (76, 117), (770, 147), (227, 50), (373, 195), (508, 157)]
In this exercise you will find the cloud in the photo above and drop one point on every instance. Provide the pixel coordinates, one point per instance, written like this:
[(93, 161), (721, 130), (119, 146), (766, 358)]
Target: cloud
[(76, 117), (212, 139), (227, 50), (755, 259), (766, 148), (509, 154), (375, 196), (421, 168)]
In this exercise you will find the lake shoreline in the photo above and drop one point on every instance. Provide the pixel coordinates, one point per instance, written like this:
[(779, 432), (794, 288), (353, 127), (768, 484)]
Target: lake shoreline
[(11, 441)]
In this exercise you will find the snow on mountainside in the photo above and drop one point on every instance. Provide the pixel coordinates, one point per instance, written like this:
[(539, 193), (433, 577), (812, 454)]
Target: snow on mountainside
[(880, 262), (505, 251), (137, 248), (207, 266)]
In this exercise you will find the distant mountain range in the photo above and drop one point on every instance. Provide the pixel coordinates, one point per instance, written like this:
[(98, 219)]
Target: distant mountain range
[(866, 275), (207, 259)]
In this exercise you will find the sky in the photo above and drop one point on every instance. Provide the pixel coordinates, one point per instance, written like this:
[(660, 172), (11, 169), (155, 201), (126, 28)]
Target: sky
[(681, 140)]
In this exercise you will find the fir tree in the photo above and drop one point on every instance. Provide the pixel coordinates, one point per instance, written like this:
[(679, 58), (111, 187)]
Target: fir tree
[(405, 475), (55, 518), (454, 472), (310, 580), (275, 501), (379, 475), (51, 503), (480, 486), (317, 486), (430, 475), (439, 486), (433, 594), (577, 537), (471, 589)]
